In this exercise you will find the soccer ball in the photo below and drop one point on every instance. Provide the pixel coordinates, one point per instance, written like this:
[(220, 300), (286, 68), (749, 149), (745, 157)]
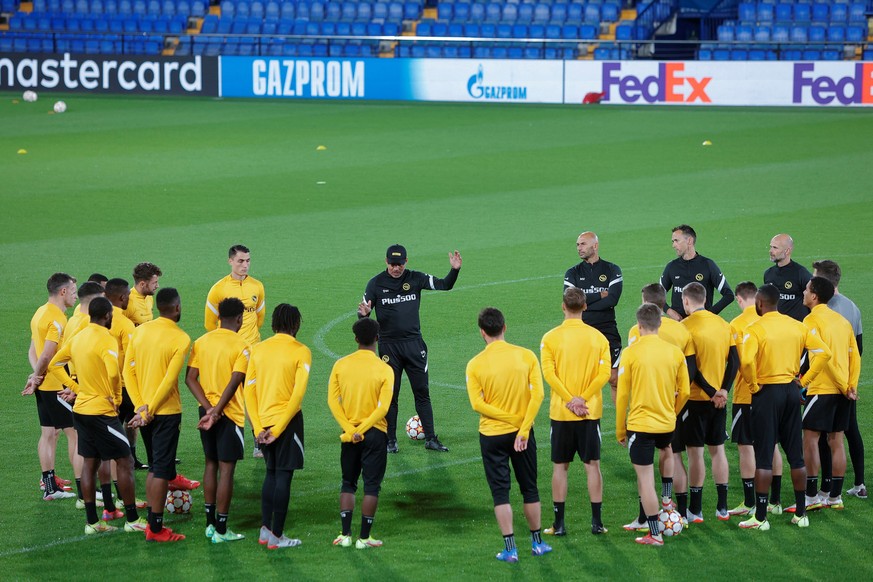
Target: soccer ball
[(670, 523), (178, 502), (29, 96), (414, 429), (60, 107)]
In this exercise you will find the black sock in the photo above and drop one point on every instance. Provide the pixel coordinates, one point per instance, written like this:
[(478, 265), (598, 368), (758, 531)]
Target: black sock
[(761, 502), (667, 487), (133, 453), (117, 490), (132, 513), (682, 503), (509, 542), (749, 492), (721, 490), (366, 524), (79, 488), (108, 502), (653, 524), (346, 519), (91, 512), (221, 523), (812, 486), (596, 518), (826, 483), (536, 536), (156, 522), (559, 514), (836, 486), (696, 506), (800, 502), (641, 518), (210, 513), (776, 490)]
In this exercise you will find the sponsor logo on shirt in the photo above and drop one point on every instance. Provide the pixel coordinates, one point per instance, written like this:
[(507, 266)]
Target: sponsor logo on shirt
[(602, 278), (789, 285), (787, 296), (385, 358), (698, 277), (398, 299), (406, 287)]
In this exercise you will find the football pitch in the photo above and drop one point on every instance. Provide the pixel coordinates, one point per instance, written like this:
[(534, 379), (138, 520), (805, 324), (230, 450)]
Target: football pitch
[(115, 181)]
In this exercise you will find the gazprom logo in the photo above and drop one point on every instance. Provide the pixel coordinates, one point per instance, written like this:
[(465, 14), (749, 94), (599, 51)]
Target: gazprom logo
[(477, 89)]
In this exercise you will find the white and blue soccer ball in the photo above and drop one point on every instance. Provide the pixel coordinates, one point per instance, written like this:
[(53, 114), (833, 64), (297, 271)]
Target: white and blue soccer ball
[(60, 107)]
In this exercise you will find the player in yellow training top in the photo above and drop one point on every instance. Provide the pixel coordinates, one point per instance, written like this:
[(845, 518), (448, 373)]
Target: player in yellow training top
[(244, 287), (769, 362), (154, 359), (576, 364), (829, 395), (275, 386), (677, 334), (216, 369), (142, 296), (704, 419), (55, 414), (359, 394), (505, 387), (94, 353), (652, 388)]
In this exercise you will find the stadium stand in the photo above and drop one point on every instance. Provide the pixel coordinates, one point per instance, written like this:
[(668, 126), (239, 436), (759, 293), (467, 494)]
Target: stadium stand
[(514, 29), (827, 30)]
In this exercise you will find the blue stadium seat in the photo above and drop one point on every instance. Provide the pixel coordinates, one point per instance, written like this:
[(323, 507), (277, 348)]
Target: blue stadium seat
[(802, 13), (402, 51), (704, 55), (553, 31), (411, 11), (721, 55), (624, 31), (576, 13), (784, 12), (817, 33), (766, 13), (525, 13), (461, 11), (332, 12), (492, 12), (424, 28), (856, 33), (395, 11), (570, 32), (839, 13), (515, 52), (744, 33), (757, 55), (858, 12), (328, 28), (440, 29), (271, 10), (798, 33), (359, 28), (256, 9), (445, 10), (592, 15), (499, 52), (520, 31), (835, 33), (762, 33), (601, 54), (380, 10), (533, 52), (287, 11), (811, 55), (821, 11), (609, 12), (488, 30), (542, 13), (739, 55), (482, 52), (510, 13), (726, 33), (365, 13), (781, 33), (418, 51), (537, 31), (391, 29), (746, 12), (350, 11), (504, 31), (559, 13), (588, 32), (450, 51), (830, 55)]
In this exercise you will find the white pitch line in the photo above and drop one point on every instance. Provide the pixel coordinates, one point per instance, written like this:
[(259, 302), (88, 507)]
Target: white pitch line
[(53, 544)]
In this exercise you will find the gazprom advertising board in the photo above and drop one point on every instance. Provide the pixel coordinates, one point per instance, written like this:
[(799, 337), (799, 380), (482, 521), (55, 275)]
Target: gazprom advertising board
[(393, 79)]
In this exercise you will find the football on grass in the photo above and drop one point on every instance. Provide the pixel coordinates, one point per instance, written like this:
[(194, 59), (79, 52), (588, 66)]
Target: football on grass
[(60, 106), (414, 429), (178, 502), (29, 96), (670, 523)]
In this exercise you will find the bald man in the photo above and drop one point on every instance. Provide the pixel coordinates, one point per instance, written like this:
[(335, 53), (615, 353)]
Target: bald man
[(601, 283), (790, 278)]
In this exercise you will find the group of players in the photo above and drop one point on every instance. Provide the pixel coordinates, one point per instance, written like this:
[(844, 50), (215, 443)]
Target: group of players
[(796, 341), (127, 360)]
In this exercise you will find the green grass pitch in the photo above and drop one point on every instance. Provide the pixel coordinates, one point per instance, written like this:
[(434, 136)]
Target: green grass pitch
[(115, 181)]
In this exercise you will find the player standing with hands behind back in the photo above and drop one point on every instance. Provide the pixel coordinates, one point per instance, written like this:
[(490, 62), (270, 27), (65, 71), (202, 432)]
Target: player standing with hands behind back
[(395, 294)]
